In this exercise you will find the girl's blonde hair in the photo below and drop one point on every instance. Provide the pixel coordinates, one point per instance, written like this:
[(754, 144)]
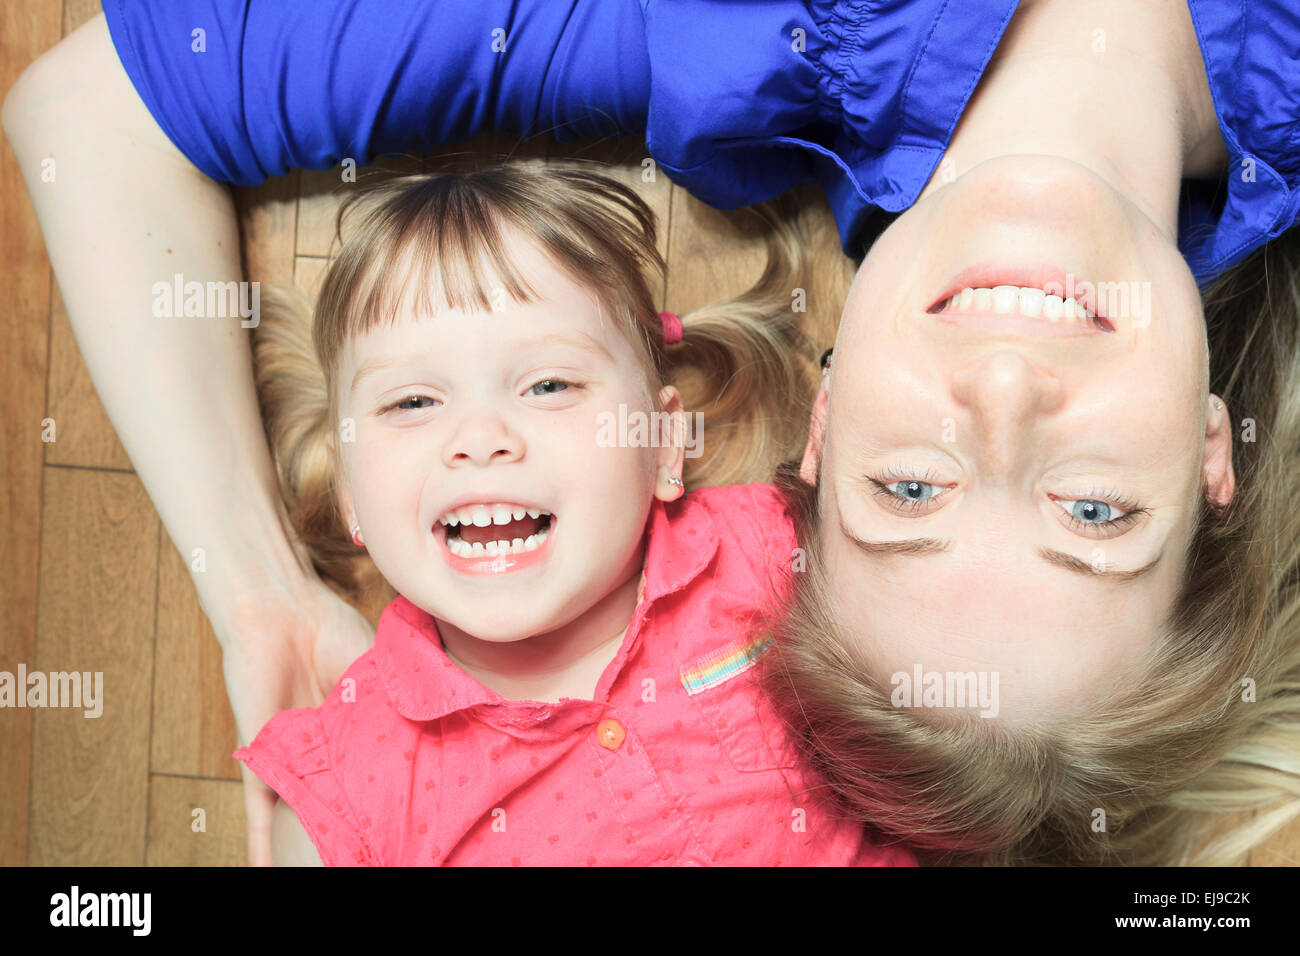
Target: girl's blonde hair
[(1147, 775), (746, 365)]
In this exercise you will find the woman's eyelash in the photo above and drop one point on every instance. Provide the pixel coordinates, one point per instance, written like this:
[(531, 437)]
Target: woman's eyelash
[(896, 502), (1123, 521), (1132, 511)]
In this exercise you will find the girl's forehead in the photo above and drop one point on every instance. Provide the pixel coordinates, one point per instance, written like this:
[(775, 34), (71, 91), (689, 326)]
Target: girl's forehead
[(577, 322)]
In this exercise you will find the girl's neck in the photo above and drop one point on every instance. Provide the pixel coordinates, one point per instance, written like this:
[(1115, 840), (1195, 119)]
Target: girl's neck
[(1114, 85), (566, 662)]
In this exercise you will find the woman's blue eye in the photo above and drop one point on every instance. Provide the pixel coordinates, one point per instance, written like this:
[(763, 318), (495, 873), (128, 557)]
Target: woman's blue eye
[(913, 490), (1091, 512)]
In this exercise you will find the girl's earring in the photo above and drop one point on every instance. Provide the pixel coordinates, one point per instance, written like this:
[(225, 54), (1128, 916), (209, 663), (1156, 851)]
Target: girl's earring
[(672, 480), (356, 536)]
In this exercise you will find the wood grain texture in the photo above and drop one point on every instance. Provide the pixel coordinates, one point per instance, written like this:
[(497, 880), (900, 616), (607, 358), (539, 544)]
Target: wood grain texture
[(180, 836), (268, 223), (27, 29), (77, 12), (193, 725), (99, 580)]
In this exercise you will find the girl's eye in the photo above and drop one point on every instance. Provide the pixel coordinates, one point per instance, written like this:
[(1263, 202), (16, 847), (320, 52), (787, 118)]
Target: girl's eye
[(550, 386), (404, 406)]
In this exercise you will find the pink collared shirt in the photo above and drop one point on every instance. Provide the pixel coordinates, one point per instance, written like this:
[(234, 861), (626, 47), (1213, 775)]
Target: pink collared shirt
[(677, 760)]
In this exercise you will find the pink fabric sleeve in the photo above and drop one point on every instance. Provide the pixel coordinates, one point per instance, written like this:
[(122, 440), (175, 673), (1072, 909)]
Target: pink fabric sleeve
[(291, 756)]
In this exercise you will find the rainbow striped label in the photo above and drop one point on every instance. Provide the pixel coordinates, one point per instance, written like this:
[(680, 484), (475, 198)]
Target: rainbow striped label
[(717, 667)]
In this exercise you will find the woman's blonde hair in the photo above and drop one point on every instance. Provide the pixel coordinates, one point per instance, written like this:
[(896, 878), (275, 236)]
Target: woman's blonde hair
[(745, 365), (1148, 774)]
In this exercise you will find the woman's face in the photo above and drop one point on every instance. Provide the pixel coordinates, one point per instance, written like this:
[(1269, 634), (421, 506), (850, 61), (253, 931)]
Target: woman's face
[(496, 416), (1002, 493)]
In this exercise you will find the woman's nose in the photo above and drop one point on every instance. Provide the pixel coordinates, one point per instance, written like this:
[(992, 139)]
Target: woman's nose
[(1006, 395), (481, 438)]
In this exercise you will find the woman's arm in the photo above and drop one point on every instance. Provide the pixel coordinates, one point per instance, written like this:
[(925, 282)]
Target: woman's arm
[(123, 211)]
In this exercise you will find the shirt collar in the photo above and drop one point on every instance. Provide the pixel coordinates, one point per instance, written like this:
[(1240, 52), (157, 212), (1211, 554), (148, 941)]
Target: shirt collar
[(424, 683)]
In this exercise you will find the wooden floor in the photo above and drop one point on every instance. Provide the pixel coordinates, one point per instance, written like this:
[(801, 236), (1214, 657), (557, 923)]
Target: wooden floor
[(88, 574)]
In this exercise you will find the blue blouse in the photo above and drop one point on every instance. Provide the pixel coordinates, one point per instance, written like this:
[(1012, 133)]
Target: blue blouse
[(739, 101)]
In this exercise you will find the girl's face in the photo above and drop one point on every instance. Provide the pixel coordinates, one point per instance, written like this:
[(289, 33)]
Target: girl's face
[(1001, 492), (494, 415)]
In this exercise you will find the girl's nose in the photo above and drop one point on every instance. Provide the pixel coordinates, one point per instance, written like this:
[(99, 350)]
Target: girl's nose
[(1007, 396), (483, 438)]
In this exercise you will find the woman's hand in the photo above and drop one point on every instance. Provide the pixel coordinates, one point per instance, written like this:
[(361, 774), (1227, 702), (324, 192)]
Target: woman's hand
[(283, 650)]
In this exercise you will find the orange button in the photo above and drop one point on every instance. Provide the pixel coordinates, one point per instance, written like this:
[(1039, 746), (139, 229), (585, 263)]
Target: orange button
[(610, 734)]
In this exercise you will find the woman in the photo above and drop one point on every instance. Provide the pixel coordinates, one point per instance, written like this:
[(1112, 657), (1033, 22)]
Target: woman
[(738, 106)]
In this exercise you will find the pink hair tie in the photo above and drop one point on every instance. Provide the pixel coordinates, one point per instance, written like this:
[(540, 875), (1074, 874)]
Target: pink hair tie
[(672, 327)]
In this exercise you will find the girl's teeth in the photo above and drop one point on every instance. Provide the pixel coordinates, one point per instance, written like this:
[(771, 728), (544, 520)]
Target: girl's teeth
[(1005, 299), (461, 548), (483, 515)]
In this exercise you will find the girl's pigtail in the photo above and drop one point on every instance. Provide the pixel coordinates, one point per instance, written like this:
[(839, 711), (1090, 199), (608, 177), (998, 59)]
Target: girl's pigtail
[(747, 369), (295, 411)]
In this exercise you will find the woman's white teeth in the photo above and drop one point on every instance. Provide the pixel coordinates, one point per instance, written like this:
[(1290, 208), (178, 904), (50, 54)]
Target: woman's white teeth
[(483, 515), (461, 547), (1005, 299)]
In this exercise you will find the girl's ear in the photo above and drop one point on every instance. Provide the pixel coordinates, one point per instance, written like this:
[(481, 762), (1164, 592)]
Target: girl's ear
[(674, 437), (812, 453), (1216, 466)]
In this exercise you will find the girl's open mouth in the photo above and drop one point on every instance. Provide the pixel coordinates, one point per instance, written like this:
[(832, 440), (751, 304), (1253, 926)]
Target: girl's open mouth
[(495, 538)]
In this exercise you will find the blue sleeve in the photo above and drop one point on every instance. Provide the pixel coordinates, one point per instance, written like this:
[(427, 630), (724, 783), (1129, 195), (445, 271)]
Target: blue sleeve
[(253, 88)]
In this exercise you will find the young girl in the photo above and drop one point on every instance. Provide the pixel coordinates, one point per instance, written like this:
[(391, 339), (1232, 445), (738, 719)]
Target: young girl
[(564, 676)]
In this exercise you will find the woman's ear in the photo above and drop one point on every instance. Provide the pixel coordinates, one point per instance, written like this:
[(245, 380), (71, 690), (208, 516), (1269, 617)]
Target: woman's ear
[(812, 453), (1216, 466), (674, 437)]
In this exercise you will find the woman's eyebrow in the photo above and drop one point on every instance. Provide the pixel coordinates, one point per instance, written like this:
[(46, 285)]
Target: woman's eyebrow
[(920, 546), (1078, 566), (909, 546)]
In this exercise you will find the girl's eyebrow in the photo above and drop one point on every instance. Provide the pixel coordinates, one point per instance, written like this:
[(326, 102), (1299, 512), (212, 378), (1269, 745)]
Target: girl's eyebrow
[(374, 365), (580, 340)]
